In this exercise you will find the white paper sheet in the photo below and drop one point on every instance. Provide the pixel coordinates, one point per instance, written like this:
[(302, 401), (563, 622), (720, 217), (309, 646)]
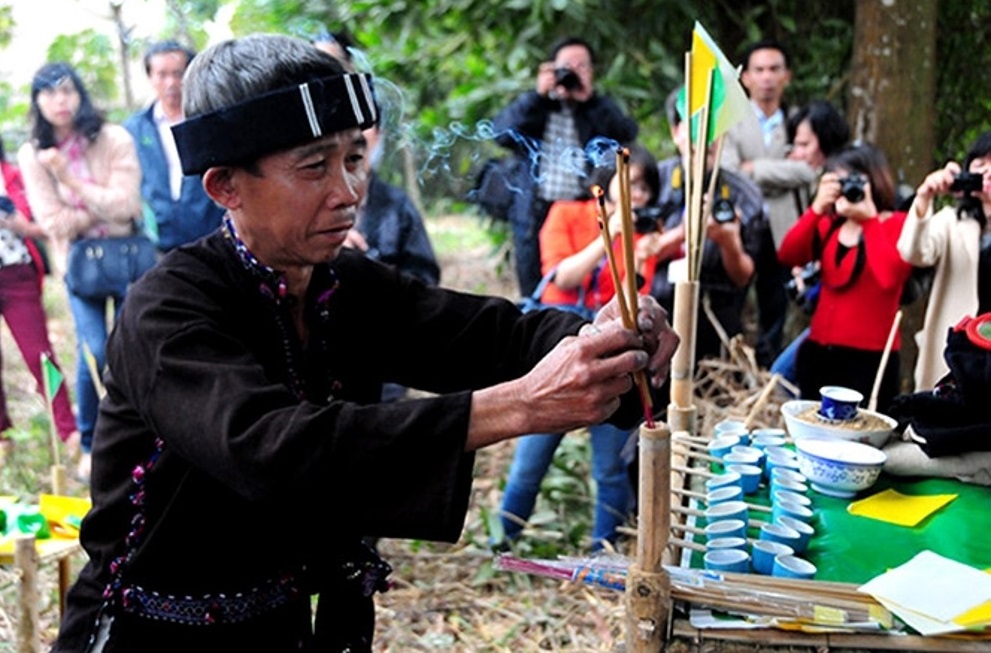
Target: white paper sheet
[(933, 586)]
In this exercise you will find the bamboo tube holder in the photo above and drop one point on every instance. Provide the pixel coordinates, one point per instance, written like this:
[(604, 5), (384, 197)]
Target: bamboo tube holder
[(648, 587), (686, 296)]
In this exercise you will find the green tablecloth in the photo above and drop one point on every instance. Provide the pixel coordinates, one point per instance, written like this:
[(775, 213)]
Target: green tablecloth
[(855, 549)]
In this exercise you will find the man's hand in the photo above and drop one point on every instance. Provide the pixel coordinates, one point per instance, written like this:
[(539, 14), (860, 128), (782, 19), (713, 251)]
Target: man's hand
[(658, 338)]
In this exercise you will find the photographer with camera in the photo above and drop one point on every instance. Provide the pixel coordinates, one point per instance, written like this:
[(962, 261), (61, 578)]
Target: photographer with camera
[(851, 228), (735, 218), (815, 132), (956, 240), (547, 129), (573, 251)]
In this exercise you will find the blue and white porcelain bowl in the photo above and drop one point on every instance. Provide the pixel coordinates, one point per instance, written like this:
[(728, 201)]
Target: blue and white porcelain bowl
[(839, 468)]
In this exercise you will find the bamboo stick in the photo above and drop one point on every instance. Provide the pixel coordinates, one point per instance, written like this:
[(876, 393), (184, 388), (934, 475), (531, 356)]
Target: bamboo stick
[(761, 401), (685, 544), (629, 262), (697, 454), (693, 471), (607, 239), (627, 313), (872, 404)]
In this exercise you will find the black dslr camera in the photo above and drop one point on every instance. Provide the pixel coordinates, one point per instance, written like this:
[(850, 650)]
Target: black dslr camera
[(567, 78), (852, 187), (967, 182), (648, 219)]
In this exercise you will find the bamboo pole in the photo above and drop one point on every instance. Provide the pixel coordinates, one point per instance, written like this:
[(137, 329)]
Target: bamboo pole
[(876, 390), (648, 586), (28, 620)]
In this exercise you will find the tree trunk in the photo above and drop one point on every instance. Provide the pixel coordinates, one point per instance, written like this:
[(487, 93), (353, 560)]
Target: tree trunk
[(893, 82), (124, 38), (892, 105)]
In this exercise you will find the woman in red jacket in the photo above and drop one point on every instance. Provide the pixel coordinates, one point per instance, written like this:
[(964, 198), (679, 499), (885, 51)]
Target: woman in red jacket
[(852, 229)]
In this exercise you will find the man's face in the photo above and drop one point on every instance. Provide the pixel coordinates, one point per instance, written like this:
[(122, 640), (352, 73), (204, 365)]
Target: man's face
[(766, 76), (578, 59), (165, 74), (298, 207)]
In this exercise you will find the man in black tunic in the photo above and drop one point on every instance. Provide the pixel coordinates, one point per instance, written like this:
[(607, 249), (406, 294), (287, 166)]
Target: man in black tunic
[(244, 373)]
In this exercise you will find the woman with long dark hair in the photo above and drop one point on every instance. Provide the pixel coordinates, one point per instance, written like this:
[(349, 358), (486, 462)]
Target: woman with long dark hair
[(83, 180), (851, 228), (957, 241)]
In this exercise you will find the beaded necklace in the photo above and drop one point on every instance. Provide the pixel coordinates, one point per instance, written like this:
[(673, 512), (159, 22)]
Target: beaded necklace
[(272, 286)]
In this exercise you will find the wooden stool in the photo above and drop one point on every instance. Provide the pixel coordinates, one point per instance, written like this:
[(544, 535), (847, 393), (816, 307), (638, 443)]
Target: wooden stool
[(28, 554)]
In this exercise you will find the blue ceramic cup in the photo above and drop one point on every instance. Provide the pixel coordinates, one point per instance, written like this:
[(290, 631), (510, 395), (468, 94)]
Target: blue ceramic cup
[(723, 480), (727, 426), (725, 528), (764, 440), (805, 532), (839, 403), (721, 445), (726, 543), (735, 457), (724, 494), (779, 533), (749, 475), (790, 566), (793, 497), (755, 455), (791, 509), (781, 484), (727, 560), (764, 553), (727, 510), (789, 475)]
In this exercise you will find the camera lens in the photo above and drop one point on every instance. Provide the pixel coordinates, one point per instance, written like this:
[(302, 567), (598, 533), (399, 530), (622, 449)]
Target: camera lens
[(567, 78), (723, 211), (852, 188)]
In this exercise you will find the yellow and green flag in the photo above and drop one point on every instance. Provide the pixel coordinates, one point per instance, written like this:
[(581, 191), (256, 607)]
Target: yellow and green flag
[(51, 375), (728, 104)]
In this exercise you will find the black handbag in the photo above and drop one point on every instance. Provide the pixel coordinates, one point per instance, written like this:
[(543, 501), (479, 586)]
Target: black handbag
[(99, 268), (533, 303)]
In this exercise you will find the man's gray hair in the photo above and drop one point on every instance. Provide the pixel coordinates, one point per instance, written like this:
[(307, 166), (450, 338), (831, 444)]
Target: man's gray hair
[(237, 70)]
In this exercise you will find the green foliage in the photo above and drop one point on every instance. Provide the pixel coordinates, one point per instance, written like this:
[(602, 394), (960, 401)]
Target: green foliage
[(6, 25), (95, 58)]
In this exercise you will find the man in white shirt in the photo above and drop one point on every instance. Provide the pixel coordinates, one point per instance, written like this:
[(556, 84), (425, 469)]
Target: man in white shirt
[(176, 205)]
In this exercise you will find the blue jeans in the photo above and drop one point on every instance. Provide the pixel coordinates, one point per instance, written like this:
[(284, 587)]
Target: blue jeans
[(533, 457), (90, 317), (786, 364)]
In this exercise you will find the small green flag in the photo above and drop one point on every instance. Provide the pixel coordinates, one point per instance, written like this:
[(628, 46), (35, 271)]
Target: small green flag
[(52, 376)]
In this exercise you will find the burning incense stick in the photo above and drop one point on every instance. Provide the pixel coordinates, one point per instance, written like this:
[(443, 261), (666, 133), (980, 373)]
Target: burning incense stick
[(624, 310), (623, 169), (629, 319)]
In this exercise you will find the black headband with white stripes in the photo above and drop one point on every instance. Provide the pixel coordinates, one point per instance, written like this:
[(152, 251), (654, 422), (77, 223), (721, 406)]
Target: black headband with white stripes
[(240, 133)]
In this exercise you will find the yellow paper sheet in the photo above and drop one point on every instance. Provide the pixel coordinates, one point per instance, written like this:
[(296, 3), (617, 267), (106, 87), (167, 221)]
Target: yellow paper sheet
[(897, 508)]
